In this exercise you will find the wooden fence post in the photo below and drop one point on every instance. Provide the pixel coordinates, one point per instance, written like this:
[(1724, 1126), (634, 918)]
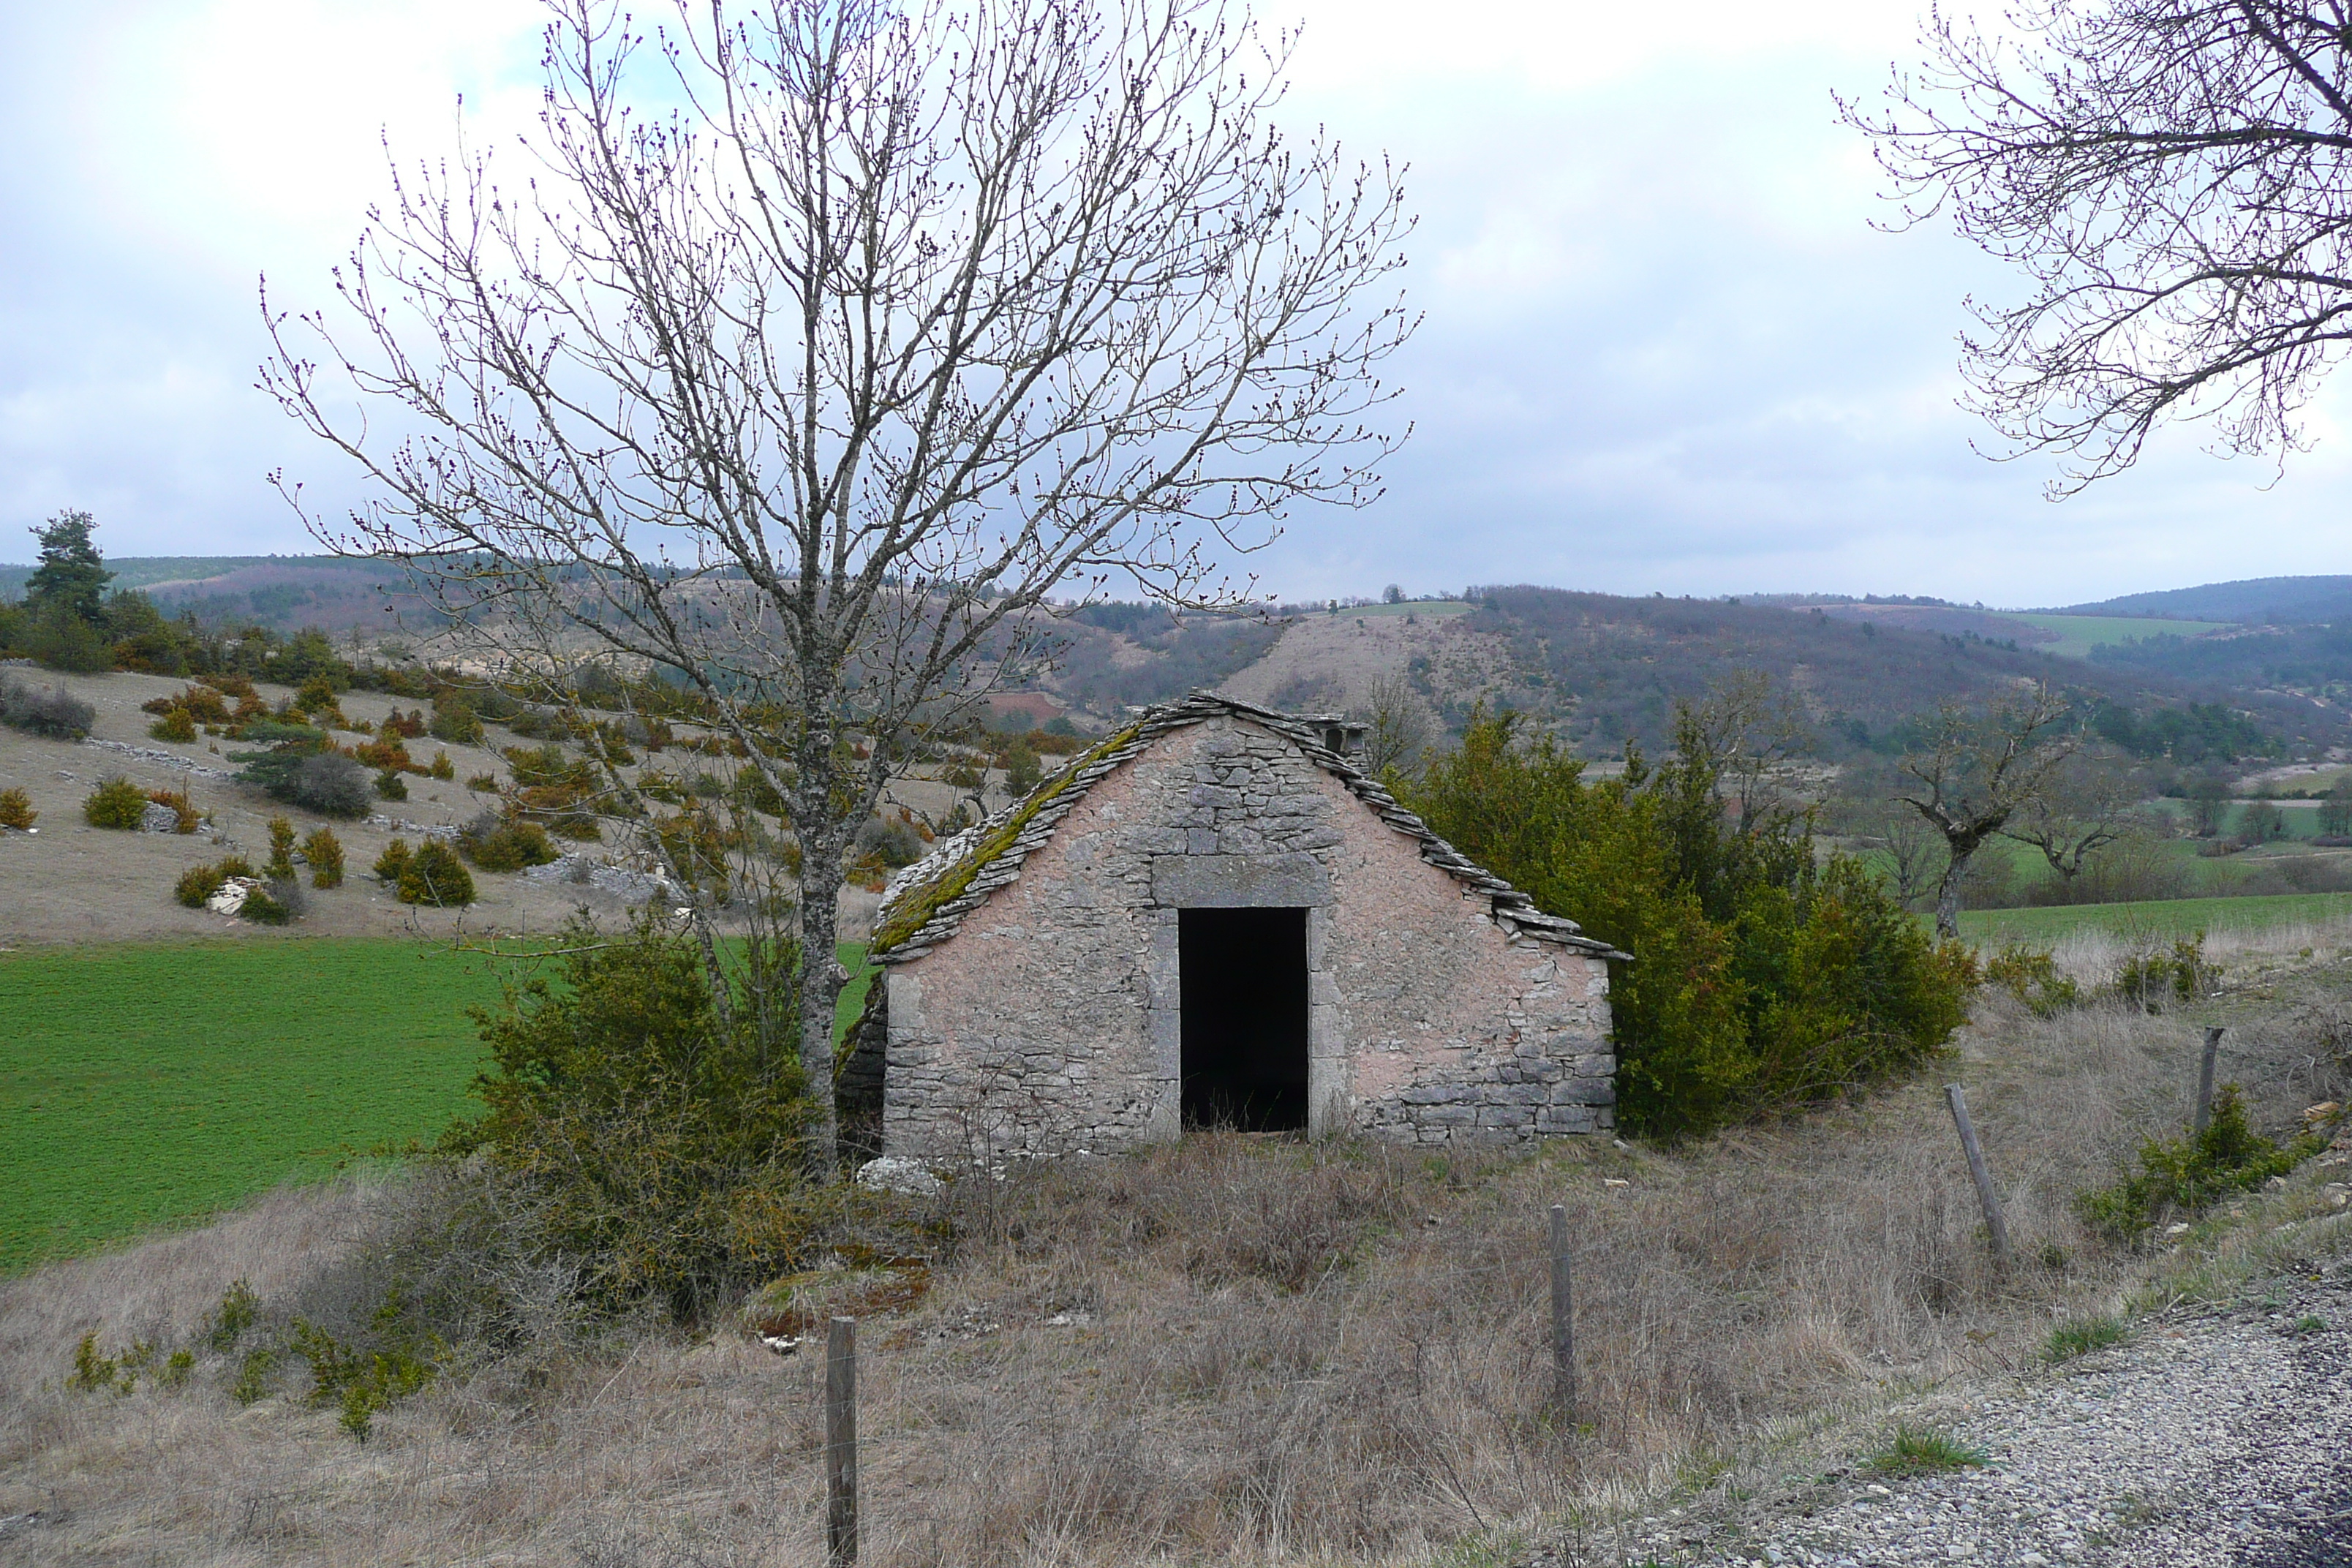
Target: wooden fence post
[(1959, 1100), (1563, 1325), (841, 1444), (2205, 1076)]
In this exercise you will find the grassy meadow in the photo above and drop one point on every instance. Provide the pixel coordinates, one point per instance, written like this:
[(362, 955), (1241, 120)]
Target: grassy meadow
[(145, 1085), (2078, 634), (2157, 919)]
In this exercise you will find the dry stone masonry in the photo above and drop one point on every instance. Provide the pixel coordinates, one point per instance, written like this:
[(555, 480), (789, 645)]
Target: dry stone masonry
[(1035, 997)]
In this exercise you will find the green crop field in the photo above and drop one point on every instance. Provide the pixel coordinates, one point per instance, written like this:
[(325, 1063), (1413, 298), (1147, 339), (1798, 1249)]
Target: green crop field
[(2078, 634), (2159, 918), (147, 1084), (1438, 607)]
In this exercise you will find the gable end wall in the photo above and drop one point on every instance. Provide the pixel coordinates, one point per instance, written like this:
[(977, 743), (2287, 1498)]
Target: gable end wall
[(1050, 1021)]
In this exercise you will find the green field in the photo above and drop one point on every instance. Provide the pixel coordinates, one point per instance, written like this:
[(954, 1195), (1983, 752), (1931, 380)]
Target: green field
[(1439, 607), (150, 1085), (2161, 918), (2078, 634)]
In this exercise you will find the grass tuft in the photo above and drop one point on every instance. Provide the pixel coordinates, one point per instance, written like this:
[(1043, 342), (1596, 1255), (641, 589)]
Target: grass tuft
[(1925, 1453), (2081, 1336)]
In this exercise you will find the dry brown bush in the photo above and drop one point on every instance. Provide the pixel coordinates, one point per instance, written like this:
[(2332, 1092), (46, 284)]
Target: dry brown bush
[(1232, 1350)]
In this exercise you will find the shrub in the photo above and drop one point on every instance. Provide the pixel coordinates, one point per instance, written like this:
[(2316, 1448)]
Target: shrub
[(324, 851), (186, 818), (2181, 971), (2181, 1175), (2030, 974), (273, 905), (301, 767), (16, 809), (659, 1143), (1759, 978), (281, 864), (390, 785), (56, 713), (393, 861), (442, 768), (434, 874), (198, 883), (201, 702), (385, 756), (410, 725), (116, 803), (893, 843), (455, 720), (331, 785), (358, 1381), (496, 844), (486, 782), (176, 725), (63, 640)]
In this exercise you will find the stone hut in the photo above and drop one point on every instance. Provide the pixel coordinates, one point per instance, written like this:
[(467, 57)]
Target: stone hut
[(1214, 917)]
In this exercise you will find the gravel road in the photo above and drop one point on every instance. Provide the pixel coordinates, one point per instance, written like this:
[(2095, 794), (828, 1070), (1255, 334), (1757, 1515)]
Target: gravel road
[(2210, 1438)]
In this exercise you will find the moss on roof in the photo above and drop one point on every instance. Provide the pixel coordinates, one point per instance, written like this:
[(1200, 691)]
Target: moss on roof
[(920, 903)]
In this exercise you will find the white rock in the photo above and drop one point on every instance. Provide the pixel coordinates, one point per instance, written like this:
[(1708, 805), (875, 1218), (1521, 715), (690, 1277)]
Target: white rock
[(897, 1173), (231, 897)]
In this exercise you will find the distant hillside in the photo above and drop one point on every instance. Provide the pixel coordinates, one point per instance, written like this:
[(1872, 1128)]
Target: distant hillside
[(1602, 669), (2255, 600), (283, 593)]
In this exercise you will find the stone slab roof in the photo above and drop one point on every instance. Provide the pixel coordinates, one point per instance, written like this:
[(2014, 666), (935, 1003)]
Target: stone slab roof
[(925, 903)]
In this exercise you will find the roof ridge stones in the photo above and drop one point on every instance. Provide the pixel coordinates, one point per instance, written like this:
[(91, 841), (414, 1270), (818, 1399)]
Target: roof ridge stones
[(923, 905)]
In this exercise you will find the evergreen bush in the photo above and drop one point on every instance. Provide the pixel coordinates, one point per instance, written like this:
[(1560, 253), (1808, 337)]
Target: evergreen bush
[(2181, 1175), (116, 803), (324, 851), (279, 867), (434, 874), (16, 809), (393, 861), (390, 785), (657, 1139), (455, 720), (177, 725), (497, 844), (1761, 978)]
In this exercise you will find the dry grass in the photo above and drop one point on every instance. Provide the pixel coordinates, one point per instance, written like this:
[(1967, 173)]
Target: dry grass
[(1230, 1350)]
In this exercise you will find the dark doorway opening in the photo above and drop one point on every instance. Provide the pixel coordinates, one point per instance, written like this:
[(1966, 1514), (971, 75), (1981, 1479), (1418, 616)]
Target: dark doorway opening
[(1243, 979)]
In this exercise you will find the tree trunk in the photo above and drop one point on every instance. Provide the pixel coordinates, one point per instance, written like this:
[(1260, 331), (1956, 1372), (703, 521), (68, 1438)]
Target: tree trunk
[(820, 989), (1948, 894)]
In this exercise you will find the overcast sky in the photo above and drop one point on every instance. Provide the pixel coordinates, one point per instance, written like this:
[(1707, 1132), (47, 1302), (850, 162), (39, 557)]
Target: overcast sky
[(1666, 350)]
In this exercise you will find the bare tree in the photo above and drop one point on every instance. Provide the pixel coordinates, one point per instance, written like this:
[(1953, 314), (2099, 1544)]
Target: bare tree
[(1981, 769), (809, 390), (1397, 727), (2088, 802), (2175, 178)]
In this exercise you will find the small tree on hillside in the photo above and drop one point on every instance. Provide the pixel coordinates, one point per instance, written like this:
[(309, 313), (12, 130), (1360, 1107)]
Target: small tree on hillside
[(2086, 803), (1981, 768), (72, 576), (1396, 726), (2335, 810), (808, 392)]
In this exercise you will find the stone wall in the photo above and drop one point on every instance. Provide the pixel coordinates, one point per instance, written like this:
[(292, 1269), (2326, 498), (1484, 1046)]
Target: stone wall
[(1050, 1021)]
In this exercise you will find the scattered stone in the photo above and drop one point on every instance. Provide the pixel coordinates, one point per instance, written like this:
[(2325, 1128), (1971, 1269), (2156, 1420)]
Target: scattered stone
[(159, 818), (231, 896), (897, 1173)]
